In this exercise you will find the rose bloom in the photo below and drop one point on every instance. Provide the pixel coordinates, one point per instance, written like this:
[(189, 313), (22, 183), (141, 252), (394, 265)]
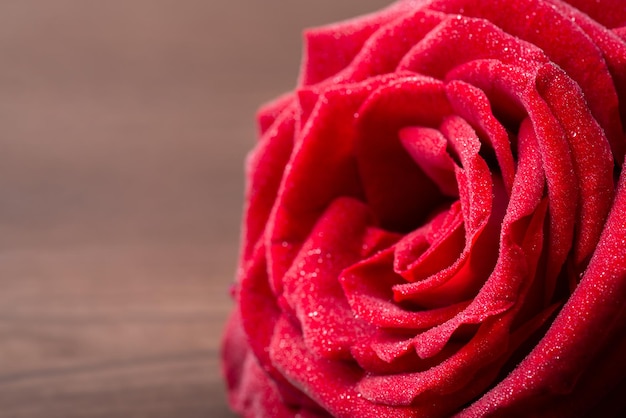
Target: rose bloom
[(436, 219)]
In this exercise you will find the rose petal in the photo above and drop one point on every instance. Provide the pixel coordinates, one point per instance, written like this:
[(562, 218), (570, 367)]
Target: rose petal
[(414, 244), (268, 113), (367, 286), (432, 248), (499, 80), (610, 13), (250, 388), (307, 188), (530, 182), (311, 287), (525, 216), (620, 33), (563, 41), (451, 376), (511, 266), (329, 49), (264, 171), (428, 147), (259, 313), (580, 330), (394, 185), (440, 51), (483, 356), (473, 105), (373, 356), (384, 49), (331, 384), (614, 52), (464, 277), (498, 294), (591, 155)]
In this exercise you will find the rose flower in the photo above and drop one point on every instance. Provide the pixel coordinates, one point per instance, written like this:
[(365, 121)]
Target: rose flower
[(436, 219)]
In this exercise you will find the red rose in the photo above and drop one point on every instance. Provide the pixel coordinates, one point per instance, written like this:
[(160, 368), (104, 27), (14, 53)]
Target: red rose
[(436, 219)]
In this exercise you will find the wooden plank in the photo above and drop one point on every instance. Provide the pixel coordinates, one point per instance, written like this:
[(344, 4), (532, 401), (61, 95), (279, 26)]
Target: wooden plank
[(111, 332)]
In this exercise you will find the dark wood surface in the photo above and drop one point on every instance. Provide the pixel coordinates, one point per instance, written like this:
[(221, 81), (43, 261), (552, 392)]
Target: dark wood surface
[(123, 128)]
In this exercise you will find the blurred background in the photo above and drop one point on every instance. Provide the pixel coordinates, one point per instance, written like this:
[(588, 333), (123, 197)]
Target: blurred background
[(123, 128)]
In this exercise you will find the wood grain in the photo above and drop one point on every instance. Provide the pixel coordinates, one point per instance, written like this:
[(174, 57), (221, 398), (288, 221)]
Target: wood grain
[(124, 126)]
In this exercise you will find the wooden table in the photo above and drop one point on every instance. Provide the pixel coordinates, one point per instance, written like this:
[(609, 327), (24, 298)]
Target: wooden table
[(123, 127)]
